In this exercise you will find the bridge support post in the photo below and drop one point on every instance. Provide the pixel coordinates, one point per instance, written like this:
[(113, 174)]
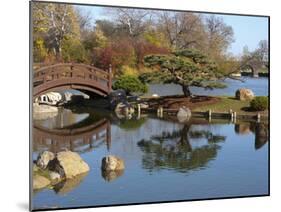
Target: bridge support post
[(139, 111), (108, 136), (209, 115), (110, 78)]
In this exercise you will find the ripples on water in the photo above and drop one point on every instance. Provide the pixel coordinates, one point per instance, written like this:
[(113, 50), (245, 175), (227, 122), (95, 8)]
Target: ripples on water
[(164, 160)]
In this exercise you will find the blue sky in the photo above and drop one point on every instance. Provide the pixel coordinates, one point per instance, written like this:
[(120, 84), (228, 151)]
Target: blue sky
[(248, 30)]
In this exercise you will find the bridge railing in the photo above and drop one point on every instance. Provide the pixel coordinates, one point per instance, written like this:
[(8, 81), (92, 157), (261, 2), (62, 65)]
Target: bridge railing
[(64, 71)]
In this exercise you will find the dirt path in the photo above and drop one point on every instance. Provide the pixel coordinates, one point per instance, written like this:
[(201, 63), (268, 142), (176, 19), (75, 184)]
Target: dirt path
[(175, 102)]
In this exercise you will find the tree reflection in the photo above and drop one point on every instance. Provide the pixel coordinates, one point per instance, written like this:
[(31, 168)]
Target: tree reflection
[(261, 134), (174, 150)]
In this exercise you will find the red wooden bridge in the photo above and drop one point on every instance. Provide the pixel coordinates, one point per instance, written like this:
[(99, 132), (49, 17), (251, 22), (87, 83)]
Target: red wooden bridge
[(64, 76)]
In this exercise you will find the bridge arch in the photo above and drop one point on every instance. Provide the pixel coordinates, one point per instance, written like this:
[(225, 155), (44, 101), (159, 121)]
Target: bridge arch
[(64, 76)]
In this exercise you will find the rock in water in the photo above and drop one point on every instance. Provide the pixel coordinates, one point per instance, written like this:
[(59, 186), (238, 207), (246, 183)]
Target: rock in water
[(184, 114), (112, 163), (44, 158), (244, 94), (68, 164), (40, 182)]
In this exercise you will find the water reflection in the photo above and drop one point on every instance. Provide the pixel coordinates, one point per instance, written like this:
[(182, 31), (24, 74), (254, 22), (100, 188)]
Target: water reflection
[(62, 119), (259, 129), (68, 185), (111, 175), (80, 137), (261, 134), (174, 150)]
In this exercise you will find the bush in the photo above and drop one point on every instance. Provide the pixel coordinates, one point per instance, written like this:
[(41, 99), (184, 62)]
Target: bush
[(259, 103), (130, 84)]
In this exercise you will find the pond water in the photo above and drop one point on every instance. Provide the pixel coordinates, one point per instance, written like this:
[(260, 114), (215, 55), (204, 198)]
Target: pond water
[(164, 160), (258, 85)]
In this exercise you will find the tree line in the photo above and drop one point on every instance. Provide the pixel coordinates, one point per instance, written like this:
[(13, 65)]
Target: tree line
[(186, 48), (64, 33)]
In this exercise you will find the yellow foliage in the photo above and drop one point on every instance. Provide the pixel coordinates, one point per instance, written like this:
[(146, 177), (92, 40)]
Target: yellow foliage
[(156, 38), (127, 70), (39, 50), (101, 40)]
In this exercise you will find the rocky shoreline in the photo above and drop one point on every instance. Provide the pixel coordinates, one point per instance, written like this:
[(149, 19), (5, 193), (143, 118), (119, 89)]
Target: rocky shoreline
[(64, 170)]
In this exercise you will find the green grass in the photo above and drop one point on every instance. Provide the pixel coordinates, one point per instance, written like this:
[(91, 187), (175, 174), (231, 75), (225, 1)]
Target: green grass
[(226, 103)]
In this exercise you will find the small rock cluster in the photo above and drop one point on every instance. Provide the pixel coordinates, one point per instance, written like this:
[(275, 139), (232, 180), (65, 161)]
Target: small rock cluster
[(50, 168), (63, 168)]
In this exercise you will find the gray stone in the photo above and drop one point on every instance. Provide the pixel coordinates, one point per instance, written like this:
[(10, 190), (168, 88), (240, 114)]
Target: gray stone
[(112, 163), (183, 114), (44, 158)]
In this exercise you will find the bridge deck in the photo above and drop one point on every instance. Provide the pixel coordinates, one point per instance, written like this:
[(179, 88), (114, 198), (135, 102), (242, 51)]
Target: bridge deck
[(71, 76)]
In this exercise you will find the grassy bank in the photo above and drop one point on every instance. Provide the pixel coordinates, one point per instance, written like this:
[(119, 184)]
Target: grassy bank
[(226, 103), (204, 103)]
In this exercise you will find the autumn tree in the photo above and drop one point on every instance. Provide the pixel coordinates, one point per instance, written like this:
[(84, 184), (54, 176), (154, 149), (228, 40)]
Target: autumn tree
[(118, 54), (219, 36), (182, 29), (55, 22), (187, 67), (257, 58), (133, 21)]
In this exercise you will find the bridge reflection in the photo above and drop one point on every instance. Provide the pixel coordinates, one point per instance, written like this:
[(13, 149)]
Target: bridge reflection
[(80, 140)]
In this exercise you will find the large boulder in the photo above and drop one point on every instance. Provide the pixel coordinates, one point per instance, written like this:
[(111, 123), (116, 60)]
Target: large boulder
[(183, 114), (68, 164), (112, 163), (44, 158), (40, 182), (244, 94)]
